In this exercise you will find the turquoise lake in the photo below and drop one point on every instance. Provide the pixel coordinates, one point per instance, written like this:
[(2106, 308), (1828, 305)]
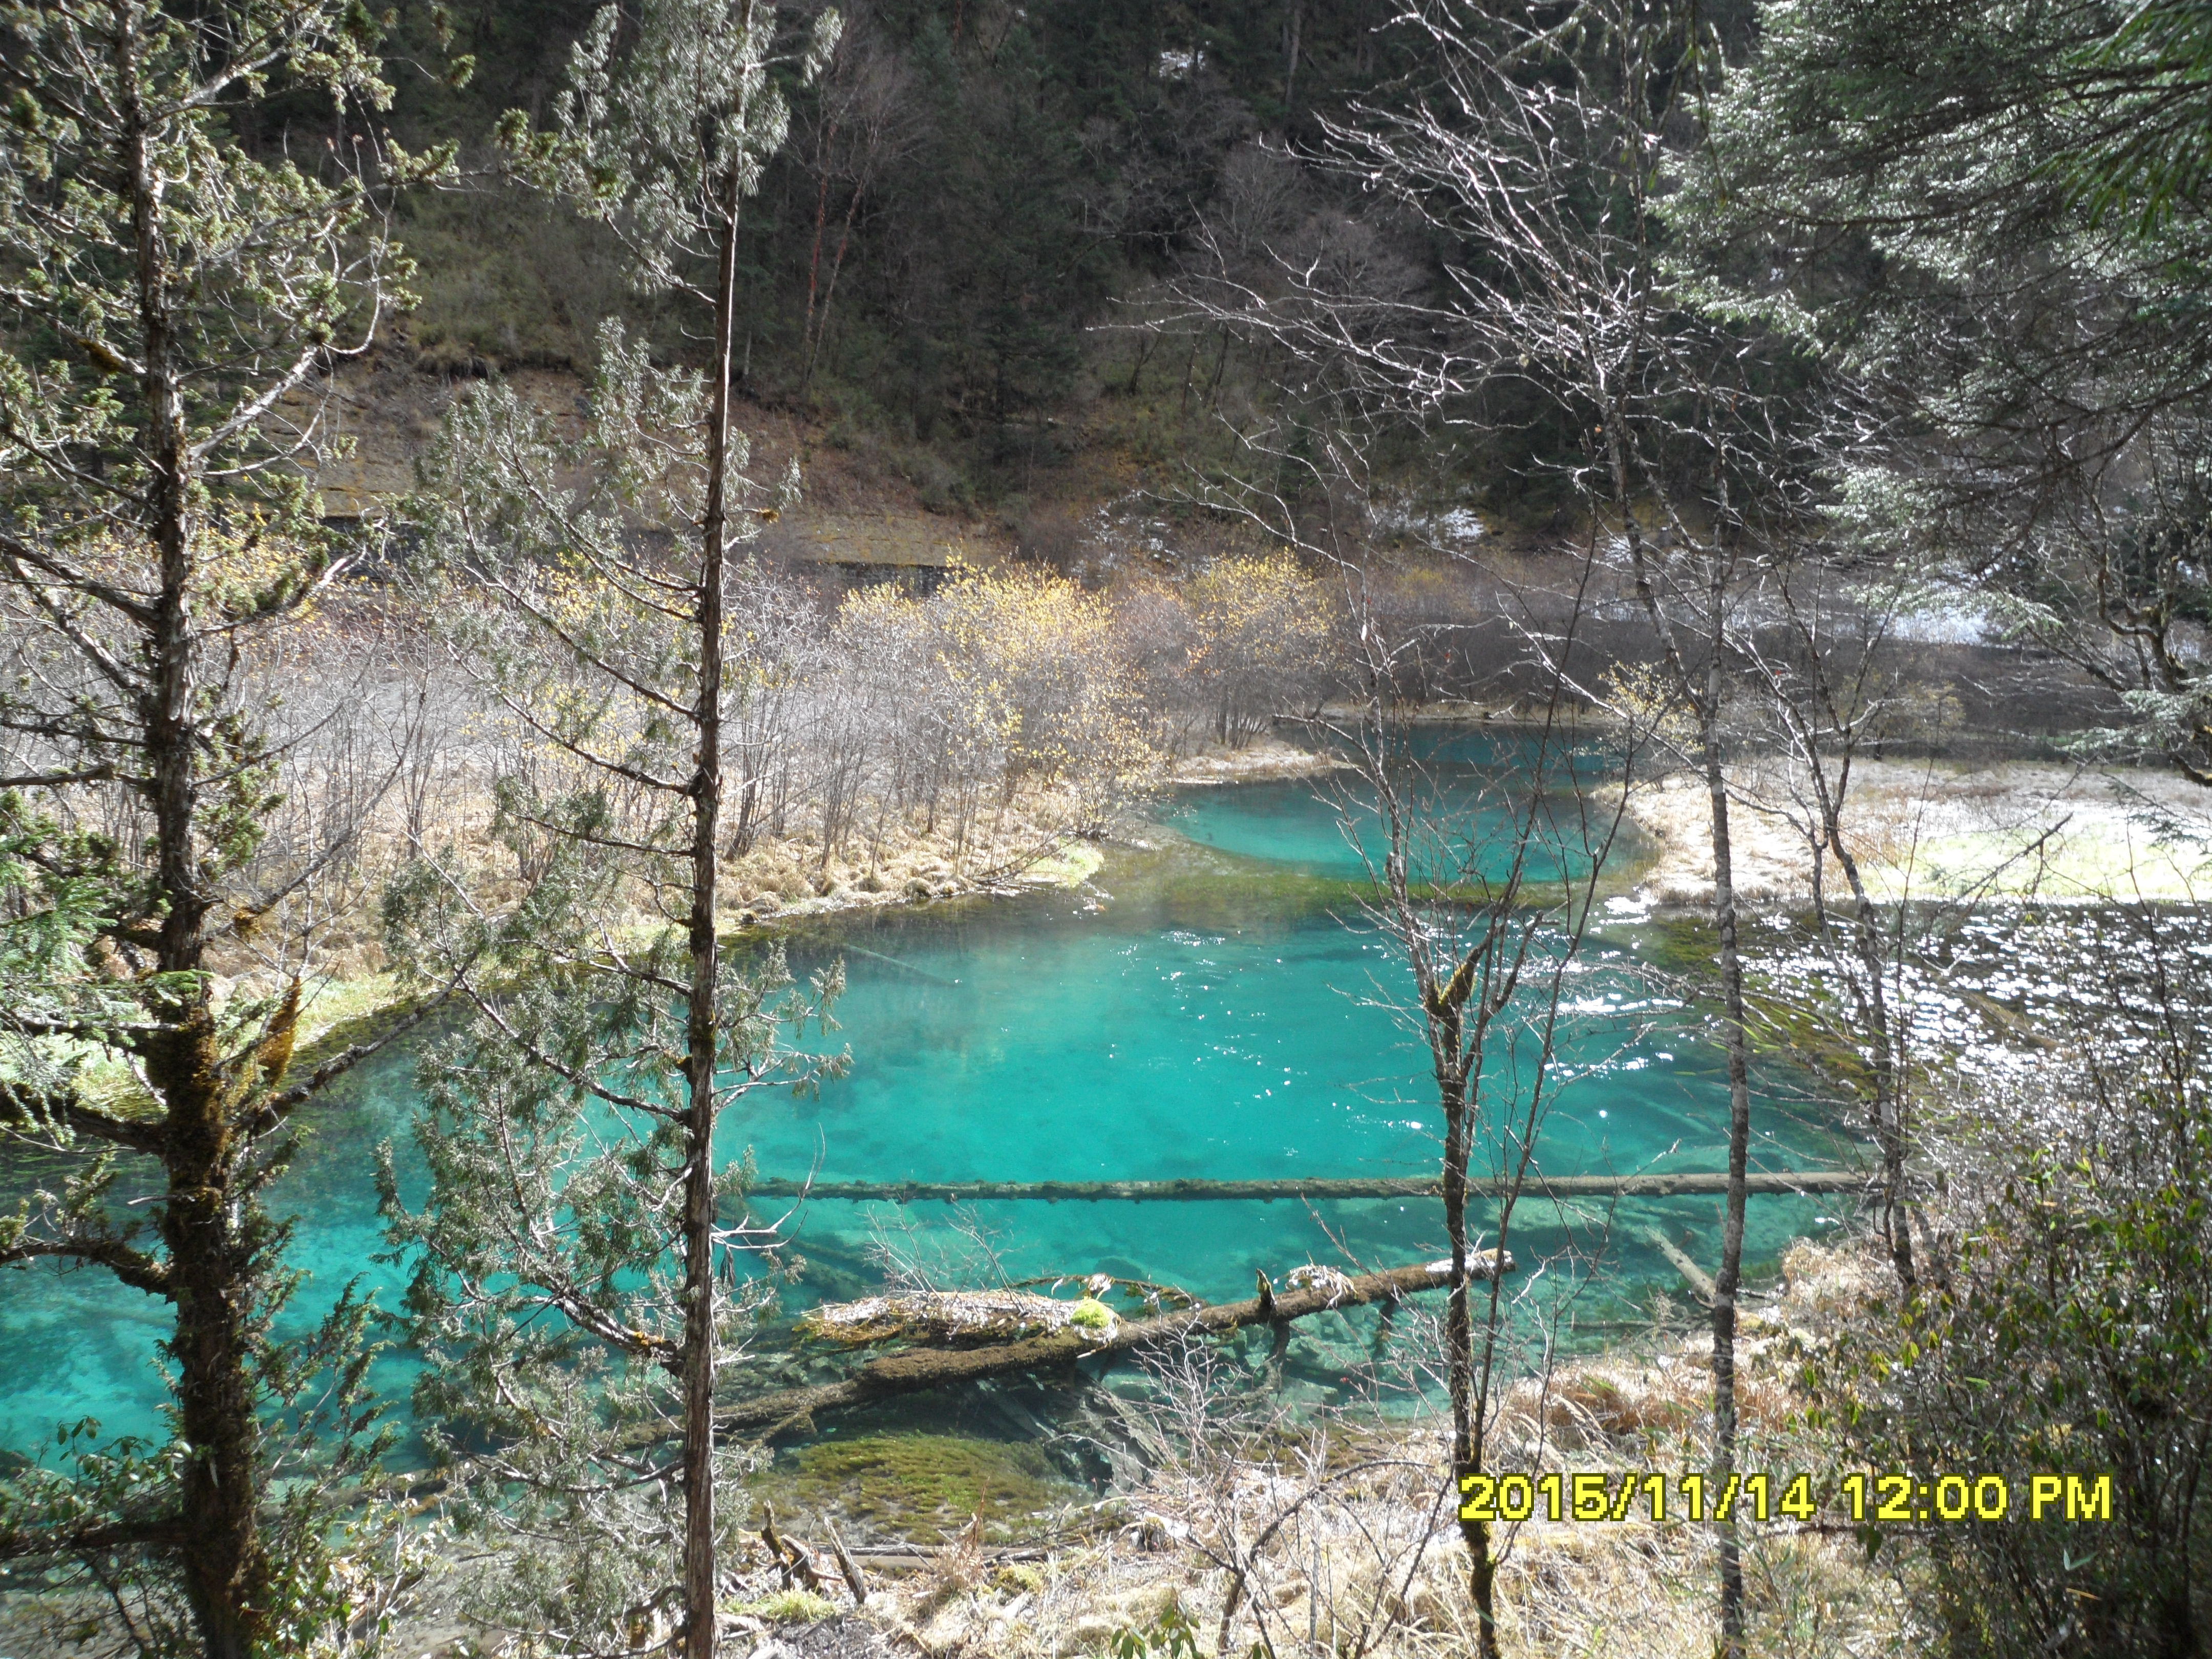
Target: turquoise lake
[(1200, 1009)]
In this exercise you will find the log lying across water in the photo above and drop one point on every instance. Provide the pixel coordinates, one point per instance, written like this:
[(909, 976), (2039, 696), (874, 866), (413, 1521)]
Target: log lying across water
[(1679, 1185), (913, 1370)]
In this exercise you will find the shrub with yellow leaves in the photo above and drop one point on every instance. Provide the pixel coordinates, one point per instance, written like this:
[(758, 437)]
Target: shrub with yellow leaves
[(1264, 643), (1001, 682)]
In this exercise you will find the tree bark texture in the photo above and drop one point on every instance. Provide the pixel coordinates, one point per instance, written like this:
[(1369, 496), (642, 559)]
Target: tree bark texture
[(702, 1015), (203, 1224), (1730, 1276)]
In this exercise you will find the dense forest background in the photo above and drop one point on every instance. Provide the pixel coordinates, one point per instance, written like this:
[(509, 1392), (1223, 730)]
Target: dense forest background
[(968, 191), (970, 265)]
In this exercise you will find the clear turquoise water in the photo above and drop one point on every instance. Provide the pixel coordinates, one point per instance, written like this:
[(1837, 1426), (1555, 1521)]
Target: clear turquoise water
[(1201, 1010), (1471, 782), (1210, 1025)]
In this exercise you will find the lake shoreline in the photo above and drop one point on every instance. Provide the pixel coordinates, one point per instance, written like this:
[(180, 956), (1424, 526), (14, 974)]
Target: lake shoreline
[(1931, 829), (1096, 1588), (1923, 829)]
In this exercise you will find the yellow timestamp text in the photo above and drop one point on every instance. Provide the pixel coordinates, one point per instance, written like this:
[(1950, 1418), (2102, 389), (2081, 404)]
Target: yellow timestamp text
[(1889, 1499)]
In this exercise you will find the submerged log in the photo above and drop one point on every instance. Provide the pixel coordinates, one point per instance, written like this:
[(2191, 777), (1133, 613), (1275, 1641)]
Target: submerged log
[(960, 1318), (1695, 1277), (1680, 1185), (913, 1370)]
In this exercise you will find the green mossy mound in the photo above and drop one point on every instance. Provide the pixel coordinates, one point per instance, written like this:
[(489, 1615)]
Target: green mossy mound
[(791, 1607), (921, 1487)]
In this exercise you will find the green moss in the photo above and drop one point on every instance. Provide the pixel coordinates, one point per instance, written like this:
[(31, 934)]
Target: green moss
[(1091, 1315), (344, 1013), (920, 1486), (1071, 866), (791, 1607)]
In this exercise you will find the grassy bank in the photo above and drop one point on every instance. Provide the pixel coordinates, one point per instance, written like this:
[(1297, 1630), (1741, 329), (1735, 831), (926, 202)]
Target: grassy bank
[(1239, 1528)]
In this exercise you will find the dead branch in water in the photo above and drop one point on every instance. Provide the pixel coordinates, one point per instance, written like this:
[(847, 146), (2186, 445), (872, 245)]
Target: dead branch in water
[(914, 1370), (1695, 1276), (961, 1318)]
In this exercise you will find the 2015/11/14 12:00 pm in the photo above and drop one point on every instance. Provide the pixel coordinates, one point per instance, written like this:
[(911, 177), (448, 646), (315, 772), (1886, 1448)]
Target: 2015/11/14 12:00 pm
[(1893, 1499)]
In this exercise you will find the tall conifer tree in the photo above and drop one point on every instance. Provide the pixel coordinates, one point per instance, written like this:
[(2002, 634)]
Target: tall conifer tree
[(571, 1137), (169, 303)]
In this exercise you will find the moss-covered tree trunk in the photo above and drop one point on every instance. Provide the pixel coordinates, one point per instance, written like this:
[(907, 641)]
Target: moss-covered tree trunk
[(211, 1278)]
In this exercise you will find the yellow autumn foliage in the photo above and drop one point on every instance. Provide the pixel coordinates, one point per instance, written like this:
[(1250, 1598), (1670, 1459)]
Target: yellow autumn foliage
[(1264, 633), (241, 568), (1018, 675)]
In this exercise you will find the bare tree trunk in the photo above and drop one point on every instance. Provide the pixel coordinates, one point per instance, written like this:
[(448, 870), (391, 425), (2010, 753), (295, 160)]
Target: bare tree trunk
[(1213, 390), (1891, 1135), (1706, 701), (814, 263), (1146, 338), (1464, 984), (1819, 715), (1730, 1276), (1458, 1346), (830, 293), (699, 1302)]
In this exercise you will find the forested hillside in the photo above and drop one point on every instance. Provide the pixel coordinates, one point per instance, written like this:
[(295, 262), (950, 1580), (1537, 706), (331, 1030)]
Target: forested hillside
[(975, 259), (1107, 828), (968, 194)]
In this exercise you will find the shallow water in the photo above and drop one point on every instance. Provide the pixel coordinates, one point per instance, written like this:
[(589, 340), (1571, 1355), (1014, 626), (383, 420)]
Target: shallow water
[(1196, 1019), (1472, 781), (1201, 1009)]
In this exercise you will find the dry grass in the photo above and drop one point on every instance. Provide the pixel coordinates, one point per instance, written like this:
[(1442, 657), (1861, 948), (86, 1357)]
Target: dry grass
[(1265, 759), (1928, 829), (1029, 843), (1032, 842)]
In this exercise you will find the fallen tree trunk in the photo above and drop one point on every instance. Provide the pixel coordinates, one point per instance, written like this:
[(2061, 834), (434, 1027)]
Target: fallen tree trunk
[(1635, 1186), (1695, 1276), (915, 1370), (962, 1318)]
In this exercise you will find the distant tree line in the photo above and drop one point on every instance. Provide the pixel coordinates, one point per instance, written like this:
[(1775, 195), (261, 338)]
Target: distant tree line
[(965, 194)]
